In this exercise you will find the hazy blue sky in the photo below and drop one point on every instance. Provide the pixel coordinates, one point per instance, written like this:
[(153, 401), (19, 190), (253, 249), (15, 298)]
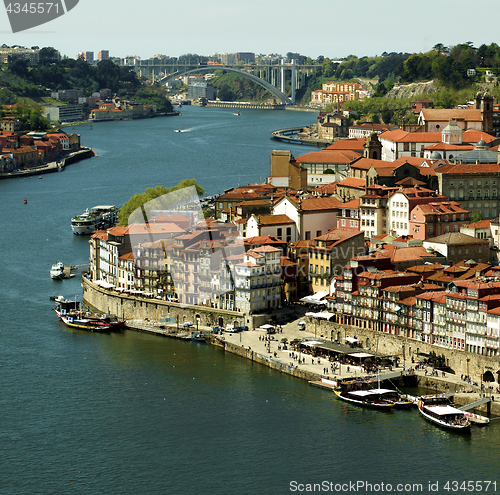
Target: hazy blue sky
[(321, 27)]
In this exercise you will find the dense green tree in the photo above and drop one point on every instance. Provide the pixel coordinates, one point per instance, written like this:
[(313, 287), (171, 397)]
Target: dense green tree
[(48, 55), (476, 217), (136, 203)]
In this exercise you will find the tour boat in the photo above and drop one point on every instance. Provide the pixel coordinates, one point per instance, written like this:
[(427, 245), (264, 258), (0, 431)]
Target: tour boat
[(96, 218), (364, 398), (439, 410), (71, 314), (57, 271), (399, 400)]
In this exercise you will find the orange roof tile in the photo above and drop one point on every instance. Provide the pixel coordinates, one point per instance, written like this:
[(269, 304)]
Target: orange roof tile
[(318, 204), (328, 156), (447, 114), (348, 144)]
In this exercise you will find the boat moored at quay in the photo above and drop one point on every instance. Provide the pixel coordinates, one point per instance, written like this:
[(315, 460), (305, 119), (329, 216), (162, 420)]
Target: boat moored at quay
[(364, 398), (70, 312), (98, 217), (439, 410), (57, 271)]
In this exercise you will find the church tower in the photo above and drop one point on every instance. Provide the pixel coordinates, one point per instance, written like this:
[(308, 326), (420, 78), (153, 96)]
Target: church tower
[(373, 147), (484, 102)]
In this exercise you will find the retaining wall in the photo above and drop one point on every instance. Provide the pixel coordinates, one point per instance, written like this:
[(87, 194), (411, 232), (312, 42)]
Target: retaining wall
[(461, 362)]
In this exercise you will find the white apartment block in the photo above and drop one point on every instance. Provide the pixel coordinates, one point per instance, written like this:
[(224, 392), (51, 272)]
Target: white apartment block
[(257, 280)]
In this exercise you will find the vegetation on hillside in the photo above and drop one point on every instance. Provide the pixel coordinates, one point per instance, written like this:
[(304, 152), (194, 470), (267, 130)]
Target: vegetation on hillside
[(232, 87), (138, 201), (19, 80)]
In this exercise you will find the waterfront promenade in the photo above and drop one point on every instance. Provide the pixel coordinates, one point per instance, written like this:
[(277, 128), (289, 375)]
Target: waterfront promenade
[(253, 345)]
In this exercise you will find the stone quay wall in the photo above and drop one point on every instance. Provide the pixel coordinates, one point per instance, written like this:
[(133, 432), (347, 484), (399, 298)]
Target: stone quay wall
[(408, 350), (267, 360), (130, 307)]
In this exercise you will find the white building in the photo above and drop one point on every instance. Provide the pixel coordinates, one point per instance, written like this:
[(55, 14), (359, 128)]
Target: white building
[(258, 280)]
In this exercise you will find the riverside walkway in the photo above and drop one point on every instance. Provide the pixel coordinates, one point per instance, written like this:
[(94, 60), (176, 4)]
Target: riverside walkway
[(314, 369)]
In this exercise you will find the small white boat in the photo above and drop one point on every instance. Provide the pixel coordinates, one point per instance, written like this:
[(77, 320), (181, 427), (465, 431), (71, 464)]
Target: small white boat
[(57, 271), (477, 418)]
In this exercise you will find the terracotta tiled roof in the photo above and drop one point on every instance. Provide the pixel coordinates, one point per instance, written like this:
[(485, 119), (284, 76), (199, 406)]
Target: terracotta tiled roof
[(366, 163), (328, 156), (127, 257), (335, 236), (353, 182), (348, 144), (353, 204), (408, 254), (402, 136), (438, 296), (274, 219), (449, 147), (100, 234), (441, 208), (318, 204), (483, 224), (447, 114), (263, 239)]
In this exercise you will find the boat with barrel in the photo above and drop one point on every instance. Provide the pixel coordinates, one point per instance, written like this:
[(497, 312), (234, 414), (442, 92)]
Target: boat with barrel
[(363, 393), (98, 217), (439, 410), (70, 312)]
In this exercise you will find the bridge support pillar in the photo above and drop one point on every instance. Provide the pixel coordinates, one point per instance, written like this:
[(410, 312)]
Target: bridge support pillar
[(283, 75)]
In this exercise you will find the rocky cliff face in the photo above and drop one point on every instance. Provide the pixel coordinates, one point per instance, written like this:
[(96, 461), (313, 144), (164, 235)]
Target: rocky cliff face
[(410, 90)]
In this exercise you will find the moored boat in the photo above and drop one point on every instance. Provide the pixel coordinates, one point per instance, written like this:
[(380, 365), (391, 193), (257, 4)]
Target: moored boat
[(70, 312), (102, 216), (197, 337), (439, 410), (364, 398), (57, 271), (399, 400)]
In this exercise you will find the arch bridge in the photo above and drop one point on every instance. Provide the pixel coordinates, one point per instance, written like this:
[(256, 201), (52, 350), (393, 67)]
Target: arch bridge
[(270, 77)]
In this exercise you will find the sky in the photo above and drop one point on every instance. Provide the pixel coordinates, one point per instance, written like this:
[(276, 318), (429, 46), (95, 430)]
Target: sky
[(329, 28)]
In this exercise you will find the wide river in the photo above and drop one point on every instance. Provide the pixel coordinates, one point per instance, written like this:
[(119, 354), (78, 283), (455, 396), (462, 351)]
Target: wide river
[(130, 413)]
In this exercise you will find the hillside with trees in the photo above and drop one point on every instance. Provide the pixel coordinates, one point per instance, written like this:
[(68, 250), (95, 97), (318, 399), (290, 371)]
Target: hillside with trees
[(138, 201), (31, 85)]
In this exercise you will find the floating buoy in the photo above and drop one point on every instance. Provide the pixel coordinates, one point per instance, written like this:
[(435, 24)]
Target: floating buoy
[(25, 201)]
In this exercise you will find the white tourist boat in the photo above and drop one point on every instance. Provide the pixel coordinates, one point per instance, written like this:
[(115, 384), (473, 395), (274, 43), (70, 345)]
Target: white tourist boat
[(439, 410), (98, 217), (57, 271)]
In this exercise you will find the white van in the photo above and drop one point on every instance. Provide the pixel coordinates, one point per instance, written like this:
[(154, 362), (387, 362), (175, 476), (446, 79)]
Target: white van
[(301, 325)]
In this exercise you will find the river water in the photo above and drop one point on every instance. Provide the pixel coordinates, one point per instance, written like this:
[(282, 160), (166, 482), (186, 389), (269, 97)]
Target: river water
[(133, 413)]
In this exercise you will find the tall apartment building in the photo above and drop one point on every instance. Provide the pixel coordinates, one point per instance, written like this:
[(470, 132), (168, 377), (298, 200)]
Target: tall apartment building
[(103, 55), (87, 56)]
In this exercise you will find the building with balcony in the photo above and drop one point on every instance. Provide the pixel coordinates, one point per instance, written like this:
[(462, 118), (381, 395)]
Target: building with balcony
[(257, 282)]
